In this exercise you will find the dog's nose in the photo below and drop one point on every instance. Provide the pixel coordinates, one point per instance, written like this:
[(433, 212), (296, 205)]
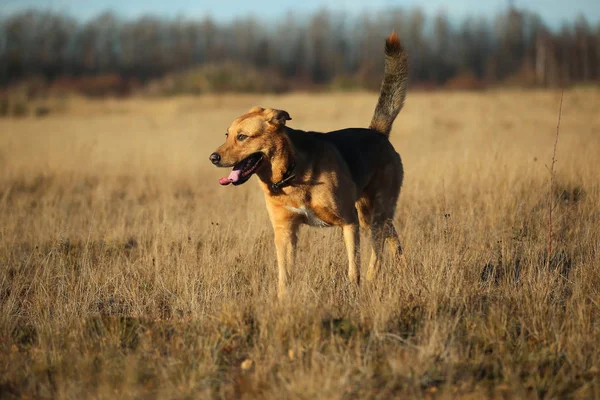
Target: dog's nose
[(215, 158)]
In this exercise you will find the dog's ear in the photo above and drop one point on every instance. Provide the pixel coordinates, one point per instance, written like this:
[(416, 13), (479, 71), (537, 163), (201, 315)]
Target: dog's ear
[(256, 110), (277, 117)]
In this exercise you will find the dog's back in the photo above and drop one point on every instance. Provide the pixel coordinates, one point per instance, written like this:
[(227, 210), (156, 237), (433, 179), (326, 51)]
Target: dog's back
[(363, 150)]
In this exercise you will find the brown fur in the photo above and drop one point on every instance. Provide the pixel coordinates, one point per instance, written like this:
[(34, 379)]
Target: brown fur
[(343, 178)]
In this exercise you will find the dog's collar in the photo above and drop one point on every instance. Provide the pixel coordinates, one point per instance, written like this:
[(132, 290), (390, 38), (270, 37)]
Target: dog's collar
[(288, 176)]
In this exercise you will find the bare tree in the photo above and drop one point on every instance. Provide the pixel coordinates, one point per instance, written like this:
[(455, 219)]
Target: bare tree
[(310, 49)]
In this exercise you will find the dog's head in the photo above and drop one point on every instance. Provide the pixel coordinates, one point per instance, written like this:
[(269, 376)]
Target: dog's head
[(251, 138)]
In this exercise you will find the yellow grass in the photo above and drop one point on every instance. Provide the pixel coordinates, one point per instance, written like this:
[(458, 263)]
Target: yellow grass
[(127, 271)]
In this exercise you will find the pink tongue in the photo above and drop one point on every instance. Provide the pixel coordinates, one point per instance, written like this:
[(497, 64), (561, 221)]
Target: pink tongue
[(234, 176)]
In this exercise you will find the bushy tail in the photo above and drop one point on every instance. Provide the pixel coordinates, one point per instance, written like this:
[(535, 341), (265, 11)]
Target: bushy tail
[(393, 86)]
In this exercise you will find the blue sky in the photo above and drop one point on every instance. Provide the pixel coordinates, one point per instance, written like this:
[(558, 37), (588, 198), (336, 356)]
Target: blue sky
[(554, 12)]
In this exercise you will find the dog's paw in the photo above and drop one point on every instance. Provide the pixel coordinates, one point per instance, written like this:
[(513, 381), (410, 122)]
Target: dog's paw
[(282, 293), (403, 261), (371, 273), (354, 278)]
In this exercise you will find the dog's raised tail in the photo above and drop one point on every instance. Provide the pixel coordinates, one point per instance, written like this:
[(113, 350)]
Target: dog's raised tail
[(393, 86)]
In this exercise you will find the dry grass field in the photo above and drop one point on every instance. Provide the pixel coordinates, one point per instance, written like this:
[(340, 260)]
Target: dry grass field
[(126, 271)]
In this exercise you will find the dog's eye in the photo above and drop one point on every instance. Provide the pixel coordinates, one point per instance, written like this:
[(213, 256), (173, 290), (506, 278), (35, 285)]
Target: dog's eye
[(226, 134), (241, 137)]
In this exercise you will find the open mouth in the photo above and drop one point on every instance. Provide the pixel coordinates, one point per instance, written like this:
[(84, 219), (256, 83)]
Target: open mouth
[(243, 170)]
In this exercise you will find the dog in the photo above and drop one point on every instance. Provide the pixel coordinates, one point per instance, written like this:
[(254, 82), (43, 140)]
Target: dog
[(346, 178)]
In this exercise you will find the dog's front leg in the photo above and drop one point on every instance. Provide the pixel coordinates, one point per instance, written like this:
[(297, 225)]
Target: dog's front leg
[(285, 243), (352, 241)]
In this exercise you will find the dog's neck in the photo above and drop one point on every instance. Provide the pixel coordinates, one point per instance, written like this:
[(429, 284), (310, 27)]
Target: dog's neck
[(281, 162)]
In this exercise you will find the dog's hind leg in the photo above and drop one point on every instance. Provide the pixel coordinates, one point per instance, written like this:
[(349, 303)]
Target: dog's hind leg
[(393, 245), (384, 234), (365, 216), (364, 206), (377, 240)]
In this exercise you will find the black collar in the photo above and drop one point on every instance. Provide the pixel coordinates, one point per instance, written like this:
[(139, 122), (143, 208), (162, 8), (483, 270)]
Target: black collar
[(288, 176)]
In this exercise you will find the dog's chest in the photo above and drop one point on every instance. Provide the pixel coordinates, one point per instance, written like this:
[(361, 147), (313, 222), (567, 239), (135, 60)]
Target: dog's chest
[(310, 218)]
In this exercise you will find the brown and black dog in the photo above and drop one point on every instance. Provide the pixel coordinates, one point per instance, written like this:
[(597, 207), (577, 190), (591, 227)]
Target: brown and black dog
[(344, 178)]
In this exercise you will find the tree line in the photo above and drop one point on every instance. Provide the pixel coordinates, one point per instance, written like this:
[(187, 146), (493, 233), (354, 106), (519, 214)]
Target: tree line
[(318, 49)]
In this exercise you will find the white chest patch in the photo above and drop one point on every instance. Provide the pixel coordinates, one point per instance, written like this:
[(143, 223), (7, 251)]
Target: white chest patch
[(311, 218)]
